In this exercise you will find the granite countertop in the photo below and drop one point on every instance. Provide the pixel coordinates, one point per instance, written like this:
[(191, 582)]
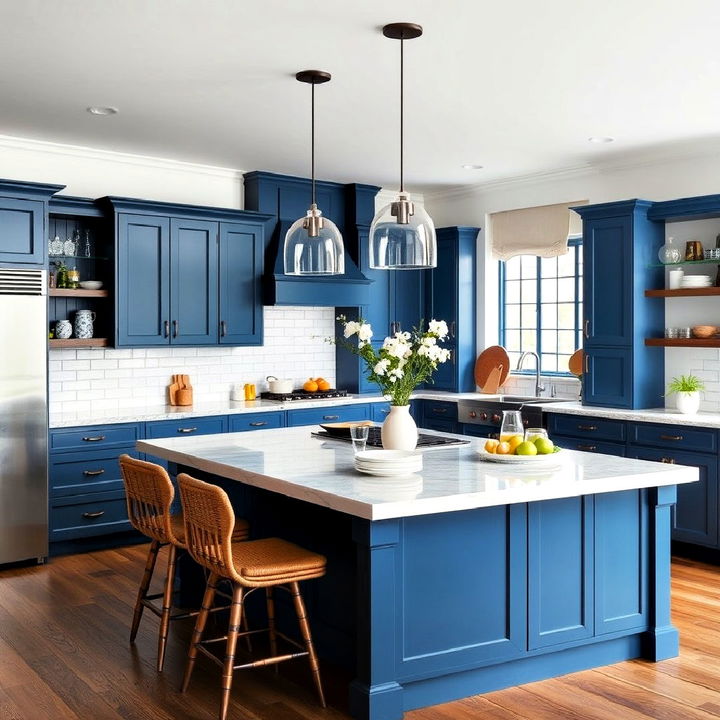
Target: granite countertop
[(293, 462)]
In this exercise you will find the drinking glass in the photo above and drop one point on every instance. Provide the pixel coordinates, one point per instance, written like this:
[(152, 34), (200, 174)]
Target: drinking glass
[(512, 425), (359, 436), (533, 434), (87, 247)]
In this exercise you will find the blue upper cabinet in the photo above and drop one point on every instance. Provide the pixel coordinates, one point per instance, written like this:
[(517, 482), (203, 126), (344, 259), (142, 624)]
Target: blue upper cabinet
[(142, 281), (187, 275), (620, 244), (23, 212), (241, 264), (451, 295), (193, 282), (407, 293)]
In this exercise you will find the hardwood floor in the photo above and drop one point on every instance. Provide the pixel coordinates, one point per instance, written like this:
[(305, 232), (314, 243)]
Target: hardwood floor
[(64, 654)]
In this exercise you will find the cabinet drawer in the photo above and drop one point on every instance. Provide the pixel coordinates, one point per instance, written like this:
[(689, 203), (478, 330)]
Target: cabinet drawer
[(315, 416), (606, 448), (85, 517), (587, 427), (439, 409), (380, 411), (188, 426), (441, 425), (87, 472), (256, 421), (673, 437), (96, 437)]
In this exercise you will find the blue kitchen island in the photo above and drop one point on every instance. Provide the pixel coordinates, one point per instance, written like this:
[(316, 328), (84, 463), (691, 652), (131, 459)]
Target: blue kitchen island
[(467, 577)]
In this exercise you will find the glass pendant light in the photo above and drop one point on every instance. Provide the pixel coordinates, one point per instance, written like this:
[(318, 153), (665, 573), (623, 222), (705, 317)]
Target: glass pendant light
[(402, 236), (313, 244)]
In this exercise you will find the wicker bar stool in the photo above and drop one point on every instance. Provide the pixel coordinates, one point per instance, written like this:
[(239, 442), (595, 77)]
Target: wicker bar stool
[(150, 492), (248, 565)]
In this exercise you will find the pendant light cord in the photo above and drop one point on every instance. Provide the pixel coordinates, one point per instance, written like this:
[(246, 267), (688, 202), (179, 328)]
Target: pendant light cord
[(312, 143), (402, 118)]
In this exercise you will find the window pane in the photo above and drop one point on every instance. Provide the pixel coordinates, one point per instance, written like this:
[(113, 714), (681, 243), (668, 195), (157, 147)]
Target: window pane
[(529, 291), (512, 291), (548, 316), (529, 266), (512, 340), (548, 290), (548, 267), (548, 363), (566, 341), (563, 363), (512, 316), (566, 289), (566, 315), (528, 315), (528, 339), (512, 269), (548, 340), (566, 264), (514, 357)]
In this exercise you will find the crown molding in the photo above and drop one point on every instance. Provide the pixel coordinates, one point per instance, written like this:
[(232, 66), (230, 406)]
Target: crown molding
[(9, 142)]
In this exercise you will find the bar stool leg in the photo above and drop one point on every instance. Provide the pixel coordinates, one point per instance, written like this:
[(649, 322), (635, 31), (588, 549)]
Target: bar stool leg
[(166, 606), (143, 589), (232, 636), (271, 623), (305, 630), (202, 617)]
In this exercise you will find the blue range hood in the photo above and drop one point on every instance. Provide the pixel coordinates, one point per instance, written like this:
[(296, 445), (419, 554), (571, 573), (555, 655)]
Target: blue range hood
[(287, 198)]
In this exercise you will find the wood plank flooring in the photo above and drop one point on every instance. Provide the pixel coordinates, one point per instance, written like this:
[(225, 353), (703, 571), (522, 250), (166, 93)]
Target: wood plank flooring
[(64, 655)]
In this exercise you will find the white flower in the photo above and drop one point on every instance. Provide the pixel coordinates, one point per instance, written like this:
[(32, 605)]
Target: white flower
[(438, 327), (423, 350), (428, 341), (397, 373), (444, 355), (364, 333), (381, 367), (351, 327), (392, 378)]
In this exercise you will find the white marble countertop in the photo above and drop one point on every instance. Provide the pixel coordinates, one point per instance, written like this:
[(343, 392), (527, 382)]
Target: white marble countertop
[(292, 462)]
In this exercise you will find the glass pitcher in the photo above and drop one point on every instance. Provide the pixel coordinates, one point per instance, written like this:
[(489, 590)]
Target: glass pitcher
[(512, 425)]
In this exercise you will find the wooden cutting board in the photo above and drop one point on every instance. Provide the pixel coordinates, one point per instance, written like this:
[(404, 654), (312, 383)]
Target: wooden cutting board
[(487, 361), (575, 363)]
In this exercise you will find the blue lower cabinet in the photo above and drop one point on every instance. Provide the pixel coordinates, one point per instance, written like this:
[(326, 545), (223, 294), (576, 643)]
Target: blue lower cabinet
[(256, 421), (674, 436), (448, 426), (589, 428), (595, 446), (560, 571), (439, 410), (94, 437), (80, 473), (696, 512), (481, 431), (88, 515), (316, 416), (379, 411), (183, 428)]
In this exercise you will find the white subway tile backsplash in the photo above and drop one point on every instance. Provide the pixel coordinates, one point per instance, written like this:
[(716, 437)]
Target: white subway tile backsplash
[(89, 380)]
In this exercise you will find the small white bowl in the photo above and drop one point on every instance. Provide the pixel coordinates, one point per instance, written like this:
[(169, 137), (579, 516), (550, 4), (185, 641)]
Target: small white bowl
[(91, 284)]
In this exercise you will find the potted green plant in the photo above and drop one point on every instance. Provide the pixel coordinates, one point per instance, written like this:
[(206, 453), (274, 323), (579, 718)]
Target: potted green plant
[(687, 391), (404, 361)]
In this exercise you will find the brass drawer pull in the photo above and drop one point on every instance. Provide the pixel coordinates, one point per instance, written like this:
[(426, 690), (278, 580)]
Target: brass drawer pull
[(589, 428), (258, 424), (671, 437), (166, 328), (93, 515), (176, 328), (92, 473), (668, 460), (385, 411), (94, 438), (331, 417), (223, 328), (587, 448), (187, 430), (439, 411)]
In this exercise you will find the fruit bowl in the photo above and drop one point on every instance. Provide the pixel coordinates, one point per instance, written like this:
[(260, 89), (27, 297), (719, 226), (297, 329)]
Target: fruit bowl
[(550, 459)]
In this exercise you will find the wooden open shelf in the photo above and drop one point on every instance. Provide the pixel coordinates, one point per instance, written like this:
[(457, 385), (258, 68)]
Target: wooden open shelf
[(684, 292), (711, 342), (62, 292), (78, 343)]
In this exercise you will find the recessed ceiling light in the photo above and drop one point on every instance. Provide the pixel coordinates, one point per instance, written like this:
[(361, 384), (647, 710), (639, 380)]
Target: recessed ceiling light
[(470, 166), (601, 139), (101, 110)]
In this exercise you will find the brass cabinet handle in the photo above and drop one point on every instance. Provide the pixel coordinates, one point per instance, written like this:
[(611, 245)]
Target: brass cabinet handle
[(176, 328), (385, 411), (674, 438), (94, 438), (258, 424), (187, 430), (331, 417), (223, 328), (668, 460), (587, 448), (587, 363), (452, 329), (587, 328), (166, 328), (93, 515), (589, 428), (439, 411), (92, 473)]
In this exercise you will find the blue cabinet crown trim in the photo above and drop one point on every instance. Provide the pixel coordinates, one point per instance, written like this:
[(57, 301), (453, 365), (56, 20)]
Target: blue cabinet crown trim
[(691, 208)]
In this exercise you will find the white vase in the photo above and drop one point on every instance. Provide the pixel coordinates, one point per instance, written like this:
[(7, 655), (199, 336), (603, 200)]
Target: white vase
[(399, 431), (688, 403)]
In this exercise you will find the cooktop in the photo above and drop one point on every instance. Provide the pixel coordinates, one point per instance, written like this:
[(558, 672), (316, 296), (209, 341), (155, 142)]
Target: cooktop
[(302, 395), (374, 439)]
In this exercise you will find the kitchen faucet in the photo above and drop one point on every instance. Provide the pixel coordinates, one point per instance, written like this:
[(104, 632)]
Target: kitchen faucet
[(538, 387)]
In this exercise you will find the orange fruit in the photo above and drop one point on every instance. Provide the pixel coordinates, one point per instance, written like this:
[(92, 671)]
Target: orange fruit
[(514, 441), (310, 385), (503, 448), (491, 446), (323, 385)]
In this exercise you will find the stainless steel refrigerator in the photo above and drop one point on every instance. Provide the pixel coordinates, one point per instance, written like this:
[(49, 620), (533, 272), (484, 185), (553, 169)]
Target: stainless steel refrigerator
[(23, 415)]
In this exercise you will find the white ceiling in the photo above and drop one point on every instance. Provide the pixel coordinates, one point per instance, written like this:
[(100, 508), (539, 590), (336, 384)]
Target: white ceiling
[(517, 86)]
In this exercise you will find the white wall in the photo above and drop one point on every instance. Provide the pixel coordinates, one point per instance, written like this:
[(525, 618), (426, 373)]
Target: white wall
[(662, 180)]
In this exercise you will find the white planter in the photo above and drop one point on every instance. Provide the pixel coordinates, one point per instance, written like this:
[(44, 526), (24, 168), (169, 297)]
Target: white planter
[(399, 431), (688, 403)]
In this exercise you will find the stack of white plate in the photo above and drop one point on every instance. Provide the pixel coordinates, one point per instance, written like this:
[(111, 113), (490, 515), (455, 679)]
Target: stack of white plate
[(696, 281), (389, 463)]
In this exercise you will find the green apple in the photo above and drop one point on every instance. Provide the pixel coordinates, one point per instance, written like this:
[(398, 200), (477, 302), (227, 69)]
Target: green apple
[(544, 446), (526, 448)]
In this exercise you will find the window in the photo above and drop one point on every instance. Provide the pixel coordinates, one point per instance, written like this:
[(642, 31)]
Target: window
[(541, 307)]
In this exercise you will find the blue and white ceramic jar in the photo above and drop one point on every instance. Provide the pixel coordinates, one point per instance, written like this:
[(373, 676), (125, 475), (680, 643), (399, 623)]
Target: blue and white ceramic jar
[(83, 325), (63, 329)]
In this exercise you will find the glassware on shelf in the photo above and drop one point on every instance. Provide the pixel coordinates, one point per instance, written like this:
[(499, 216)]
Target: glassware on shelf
[(512, 425), (56, 246), (87, 246), (72, 245), (694, 250), (62, 276), (669, 253), (73, 278), (675, 279)]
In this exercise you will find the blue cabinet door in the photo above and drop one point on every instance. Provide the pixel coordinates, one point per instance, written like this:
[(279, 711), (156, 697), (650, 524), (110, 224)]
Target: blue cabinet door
[(193, 282), (142, 310), (241, 268), (408, 295), (22, 238), (696, 512), (608, 280), (608, 380)]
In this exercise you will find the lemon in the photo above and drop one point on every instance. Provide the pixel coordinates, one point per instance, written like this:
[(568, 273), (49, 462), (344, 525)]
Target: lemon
[(544, 446), (526, 448)]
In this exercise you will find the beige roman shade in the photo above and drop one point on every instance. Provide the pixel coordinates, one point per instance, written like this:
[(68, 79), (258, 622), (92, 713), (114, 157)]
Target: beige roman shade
[(542, 230)]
